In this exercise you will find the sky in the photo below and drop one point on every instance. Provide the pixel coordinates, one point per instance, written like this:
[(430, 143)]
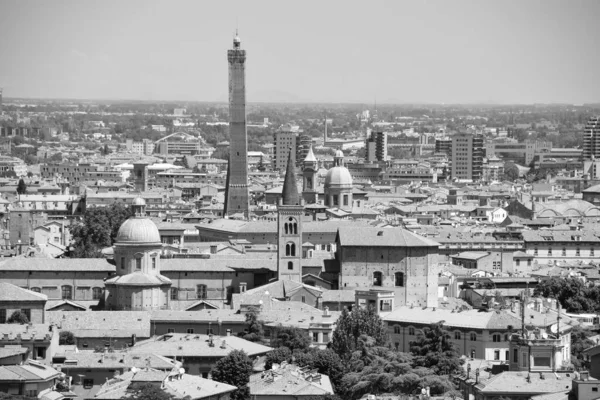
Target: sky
[(338, 51)]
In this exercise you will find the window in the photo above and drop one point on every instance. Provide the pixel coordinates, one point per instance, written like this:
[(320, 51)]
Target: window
[(170, 330), (345, 199), (174, 293), (122, 262), (496, 337), (290, 265), (399, 279), (396, 329), (96, 293), (304, 299), (31, 392), (473, 337), (529, 263), (594, 389), (27, 312), (88, 383), (315, 336), (138, 263), (190, 330), (518, 262), (67, 292), (506, 356), (577, 252), (36, 289), (209, 331), (325, 337), (506, 338), (153, 262), (473, 353), (496, 265), (564, 252), (496, 354), (550, 251), (290, 249), (535, 251), (457, 335), (377, 278), (516, 355), (201, 292), (592, 252), (411, 331)]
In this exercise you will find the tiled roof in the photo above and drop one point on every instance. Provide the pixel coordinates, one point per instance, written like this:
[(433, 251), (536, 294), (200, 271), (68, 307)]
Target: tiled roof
[(6, 352), (471, 255), (139, 279), (474, 319), (196, 264), (102, 323), (31, 371), (513, 382), (332, 296), (387, 237), (10, 292), (225, 315), (26, 332), (289, 381), (197, 345), (57, 264), (91, 360)]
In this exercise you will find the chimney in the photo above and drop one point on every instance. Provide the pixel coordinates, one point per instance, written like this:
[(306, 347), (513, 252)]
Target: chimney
[(133, 340), (213, 249), (584, 375), (243, 287)]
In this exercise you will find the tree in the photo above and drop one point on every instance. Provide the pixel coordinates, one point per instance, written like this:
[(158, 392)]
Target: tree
[(324, 361), (352, 325), (571, 293), (106, 151), (18, 317), (434, 349), (234, 369), (254, 330), (148, 391), (97, 230), (21, 187), (66, 337), (277, 356), (580, 341), (291, 337)]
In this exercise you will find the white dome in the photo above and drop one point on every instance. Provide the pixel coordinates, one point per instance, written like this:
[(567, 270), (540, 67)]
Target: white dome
[(138, 231), (338, 177)]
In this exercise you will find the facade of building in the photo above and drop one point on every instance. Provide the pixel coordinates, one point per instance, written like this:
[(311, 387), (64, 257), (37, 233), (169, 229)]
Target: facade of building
[(310, 167), (467, 157), (376, 146), (284, 139), (389, 259), (338, 184), (236, 192), (591, 138)]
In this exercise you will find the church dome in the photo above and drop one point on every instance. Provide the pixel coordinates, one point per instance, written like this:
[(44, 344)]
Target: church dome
[(338, 177), (138, 230)]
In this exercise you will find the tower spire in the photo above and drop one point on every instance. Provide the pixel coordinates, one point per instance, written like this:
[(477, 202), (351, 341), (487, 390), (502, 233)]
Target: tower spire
[(290, 189)]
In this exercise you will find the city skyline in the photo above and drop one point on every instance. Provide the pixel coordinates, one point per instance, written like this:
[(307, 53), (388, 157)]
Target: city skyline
[(460, 52)]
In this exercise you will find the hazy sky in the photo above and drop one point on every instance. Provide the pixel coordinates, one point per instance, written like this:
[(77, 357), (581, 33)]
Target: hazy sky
[(317, 50)]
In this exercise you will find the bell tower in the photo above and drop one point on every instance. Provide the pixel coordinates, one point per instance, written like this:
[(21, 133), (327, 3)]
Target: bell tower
[(289, 228), (309, 173)]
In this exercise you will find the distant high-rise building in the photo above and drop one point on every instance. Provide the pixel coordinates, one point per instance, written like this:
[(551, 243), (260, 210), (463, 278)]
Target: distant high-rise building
[(376, 146), (285, 138), (236, 191), (467, 156), (0, 100), (443, 145), (591, 138)]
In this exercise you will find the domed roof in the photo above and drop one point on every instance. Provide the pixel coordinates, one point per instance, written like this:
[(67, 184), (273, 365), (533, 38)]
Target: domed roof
[(138, 230), (138, 201), (339, 153), (339, 177)]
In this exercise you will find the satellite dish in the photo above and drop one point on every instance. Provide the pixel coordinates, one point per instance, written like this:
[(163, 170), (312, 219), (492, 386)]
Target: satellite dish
[(134, 369), (182, 371)]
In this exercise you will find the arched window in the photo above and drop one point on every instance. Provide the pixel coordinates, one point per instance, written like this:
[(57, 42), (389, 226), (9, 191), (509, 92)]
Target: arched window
[(399, 279), (138, 263), (411, 331), (67, 292), (153, 262), (457, 335), (377, 278), (396, 328), (295, 228), (285, 227), (36, 289), (201, 292), (96, 293), (174, 293), (290, 265), (290, 249), (496, 337), (473, 337)]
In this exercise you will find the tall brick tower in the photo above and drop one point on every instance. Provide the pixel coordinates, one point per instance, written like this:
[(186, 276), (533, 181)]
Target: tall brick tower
[(236, 192), (289, 228)]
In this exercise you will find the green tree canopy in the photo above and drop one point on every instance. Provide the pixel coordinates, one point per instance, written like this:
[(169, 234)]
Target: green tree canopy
[(149, 391), (290, 337), (21, 187), (571, 293), (97, 230), (352, 325), (234, 369), (435, 350), (254, 328), (18, 317), (66, 337)]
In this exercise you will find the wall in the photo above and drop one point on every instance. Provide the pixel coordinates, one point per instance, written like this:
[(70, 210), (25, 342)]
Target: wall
[(36, 309)]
